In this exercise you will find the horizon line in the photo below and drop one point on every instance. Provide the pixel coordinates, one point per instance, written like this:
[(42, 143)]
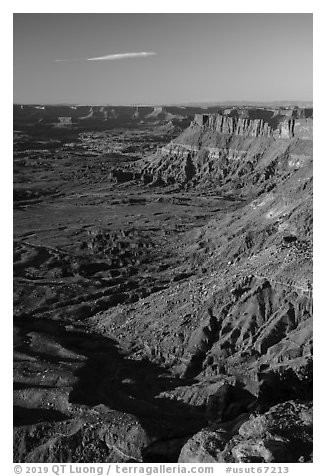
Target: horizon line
[(233, 101)]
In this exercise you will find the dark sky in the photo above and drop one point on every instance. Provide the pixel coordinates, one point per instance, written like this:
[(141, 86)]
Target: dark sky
[(198, 57)]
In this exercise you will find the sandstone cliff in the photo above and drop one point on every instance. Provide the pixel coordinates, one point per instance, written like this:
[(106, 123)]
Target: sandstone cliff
[(285, 127), (232, 154), (231, 125)]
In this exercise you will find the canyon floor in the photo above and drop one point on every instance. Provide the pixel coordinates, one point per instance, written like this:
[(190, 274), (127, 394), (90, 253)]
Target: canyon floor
[(157, 322)]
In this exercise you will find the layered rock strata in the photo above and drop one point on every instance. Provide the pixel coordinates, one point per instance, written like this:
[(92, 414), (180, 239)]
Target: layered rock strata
[(286, 128), (232, 154)]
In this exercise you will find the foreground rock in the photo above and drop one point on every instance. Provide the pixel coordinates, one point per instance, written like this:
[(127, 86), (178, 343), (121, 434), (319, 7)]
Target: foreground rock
[(98, 436), (281, 435)]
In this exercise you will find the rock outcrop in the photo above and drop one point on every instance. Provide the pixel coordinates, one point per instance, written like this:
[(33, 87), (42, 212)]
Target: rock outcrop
[(98, 436), (232, 125), (281, 435), (284, 128), (232, 154)]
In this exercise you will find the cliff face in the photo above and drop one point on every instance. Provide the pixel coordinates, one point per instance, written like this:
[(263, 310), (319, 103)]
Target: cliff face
[(233, 155), (286, 128), (232, 125), (303, 129)]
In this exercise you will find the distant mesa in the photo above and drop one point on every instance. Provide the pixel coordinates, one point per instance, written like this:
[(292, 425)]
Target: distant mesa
[(283, 126), (237, 149), (64, 122)]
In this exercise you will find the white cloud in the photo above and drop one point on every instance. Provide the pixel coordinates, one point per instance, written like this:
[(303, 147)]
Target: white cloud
[(141, 54), (118, 56)]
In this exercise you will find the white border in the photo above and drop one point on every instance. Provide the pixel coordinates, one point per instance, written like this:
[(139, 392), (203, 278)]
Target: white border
[(168, 6)]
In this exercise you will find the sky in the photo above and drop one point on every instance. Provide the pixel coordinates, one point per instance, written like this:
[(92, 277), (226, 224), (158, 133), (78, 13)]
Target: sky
[(159, 58)]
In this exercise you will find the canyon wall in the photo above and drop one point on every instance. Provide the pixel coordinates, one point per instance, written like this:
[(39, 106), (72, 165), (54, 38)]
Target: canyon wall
[(233, 154), (286, 128)]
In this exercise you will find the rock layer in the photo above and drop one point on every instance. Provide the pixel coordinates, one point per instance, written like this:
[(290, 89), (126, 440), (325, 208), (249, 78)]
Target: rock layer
[(233, 155)]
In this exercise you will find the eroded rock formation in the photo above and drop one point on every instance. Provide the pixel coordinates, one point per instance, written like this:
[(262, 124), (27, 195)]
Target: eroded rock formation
[(233, 154)]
